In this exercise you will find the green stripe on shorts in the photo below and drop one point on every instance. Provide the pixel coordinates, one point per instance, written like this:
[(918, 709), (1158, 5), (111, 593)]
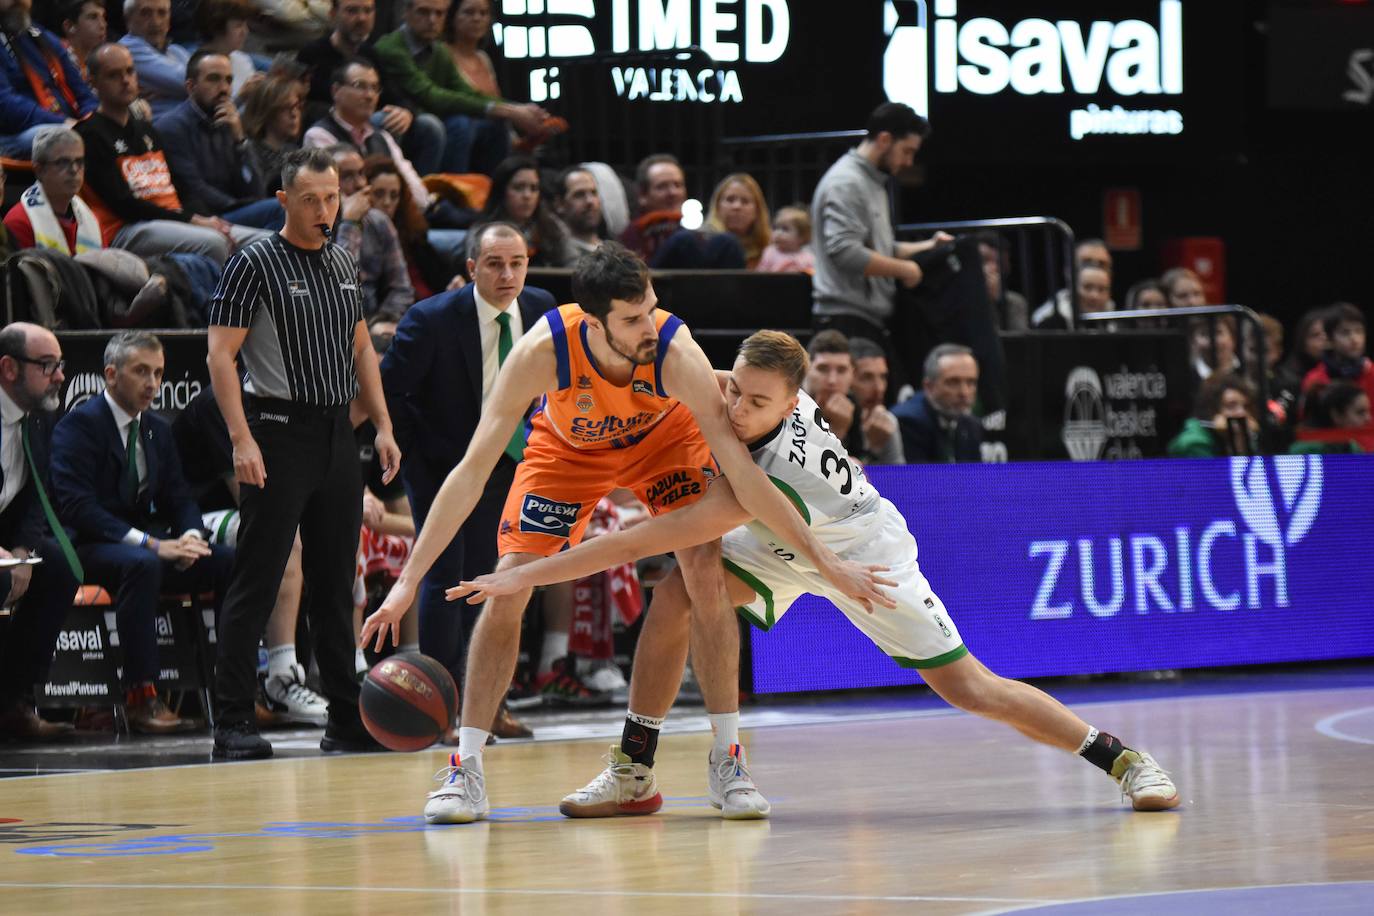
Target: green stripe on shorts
[(764, 592), (795, 497), (953, 655)]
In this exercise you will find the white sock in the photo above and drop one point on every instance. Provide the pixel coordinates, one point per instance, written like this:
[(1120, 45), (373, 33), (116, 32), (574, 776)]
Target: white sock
[(281, 660), (471, 742), (359, 661), (555, 647), (408, 647), (725, 726)]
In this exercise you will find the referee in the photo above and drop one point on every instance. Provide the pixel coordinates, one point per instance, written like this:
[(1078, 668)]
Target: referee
[(288, 307)]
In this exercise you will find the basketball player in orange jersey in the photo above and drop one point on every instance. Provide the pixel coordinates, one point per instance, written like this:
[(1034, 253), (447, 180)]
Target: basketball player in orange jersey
[(628, 400)]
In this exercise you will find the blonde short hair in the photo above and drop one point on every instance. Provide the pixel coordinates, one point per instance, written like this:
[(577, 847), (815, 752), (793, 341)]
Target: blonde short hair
[(775, 351), (797, 218)]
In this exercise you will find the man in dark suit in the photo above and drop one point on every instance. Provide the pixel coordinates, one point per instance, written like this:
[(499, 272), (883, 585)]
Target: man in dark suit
[(441, 366), (30, 379), (117, 481), (937, 424)]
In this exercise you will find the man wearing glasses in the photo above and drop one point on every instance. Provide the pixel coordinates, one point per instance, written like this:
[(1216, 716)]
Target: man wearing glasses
[(30, 379)]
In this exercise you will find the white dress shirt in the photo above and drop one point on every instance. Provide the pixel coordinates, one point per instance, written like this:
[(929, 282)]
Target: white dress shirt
[(122, 420), (491, 337), (11, 450)]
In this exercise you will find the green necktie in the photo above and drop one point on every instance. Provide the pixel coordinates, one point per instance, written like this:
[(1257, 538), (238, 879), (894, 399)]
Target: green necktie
[(131, 471), (58, 531), (516, 446)]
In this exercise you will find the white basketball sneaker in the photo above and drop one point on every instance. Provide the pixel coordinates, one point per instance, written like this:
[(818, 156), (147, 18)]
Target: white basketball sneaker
[(624, 787), (462, 794), (288, 697), (732, 789), (1147, 785)]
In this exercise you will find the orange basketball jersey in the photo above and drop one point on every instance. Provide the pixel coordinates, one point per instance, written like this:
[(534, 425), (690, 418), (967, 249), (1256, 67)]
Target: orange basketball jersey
[(589, 412)]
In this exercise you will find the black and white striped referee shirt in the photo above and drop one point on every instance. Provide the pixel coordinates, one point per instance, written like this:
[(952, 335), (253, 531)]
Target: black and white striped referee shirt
[(301, 308)]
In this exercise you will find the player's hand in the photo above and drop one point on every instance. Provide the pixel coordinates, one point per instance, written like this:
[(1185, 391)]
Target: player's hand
[(879, 425), (386, 620), (374, 513), (248, 465), (861, 583), (911, 275), (492, 585)]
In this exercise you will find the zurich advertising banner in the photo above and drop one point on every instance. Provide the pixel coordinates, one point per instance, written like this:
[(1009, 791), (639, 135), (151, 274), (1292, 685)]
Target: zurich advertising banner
[(1085, 568)]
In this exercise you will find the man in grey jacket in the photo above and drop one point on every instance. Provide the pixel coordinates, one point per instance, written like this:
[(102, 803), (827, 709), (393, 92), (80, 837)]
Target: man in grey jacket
[(859, 262)]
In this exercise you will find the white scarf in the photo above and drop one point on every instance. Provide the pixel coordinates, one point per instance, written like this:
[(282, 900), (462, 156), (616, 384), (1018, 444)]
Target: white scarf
[(47, 232)]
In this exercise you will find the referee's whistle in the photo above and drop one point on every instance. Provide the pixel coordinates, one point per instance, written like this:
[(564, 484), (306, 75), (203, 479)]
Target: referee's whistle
[(324, 230)]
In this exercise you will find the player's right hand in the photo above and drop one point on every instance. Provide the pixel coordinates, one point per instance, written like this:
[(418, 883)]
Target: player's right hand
[(861, 583), (248, 464), (386, 620)]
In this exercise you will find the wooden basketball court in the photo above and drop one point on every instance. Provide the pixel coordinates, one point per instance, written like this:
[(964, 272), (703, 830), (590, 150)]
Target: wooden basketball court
[(878, 810)]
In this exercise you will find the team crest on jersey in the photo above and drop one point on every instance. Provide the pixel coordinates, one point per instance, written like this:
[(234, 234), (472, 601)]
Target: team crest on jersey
[(585, 403), (121, 147), (639, 386), (584, 381), (541, 515)]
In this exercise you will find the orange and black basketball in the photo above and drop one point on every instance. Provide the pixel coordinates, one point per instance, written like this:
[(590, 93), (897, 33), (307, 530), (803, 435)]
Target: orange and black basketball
[(408, 701)]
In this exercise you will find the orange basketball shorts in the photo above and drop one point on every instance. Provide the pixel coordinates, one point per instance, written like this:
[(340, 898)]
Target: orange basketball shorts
[(557, 487)]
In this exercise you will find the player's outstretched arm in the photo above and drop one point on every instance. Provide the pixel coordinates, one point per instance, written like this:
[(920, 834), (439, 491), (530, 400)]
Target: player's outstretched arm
[(530, 370), (705, 520), (688, 376)]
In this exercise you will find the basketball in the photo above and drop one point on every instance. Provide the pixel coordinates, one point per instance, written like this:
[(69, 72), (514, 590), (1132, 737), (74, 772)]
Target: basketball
[(408, 701)]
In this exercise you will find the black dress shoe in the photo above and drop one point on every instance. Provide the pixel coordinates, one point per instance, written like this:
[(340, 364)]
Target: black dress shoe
[(240, 741), (352, 738)]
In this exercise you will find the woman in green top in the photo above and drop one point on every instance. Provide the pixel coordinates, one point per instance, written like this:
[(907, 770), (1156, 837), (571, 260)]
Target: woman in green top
[(1223, 397)]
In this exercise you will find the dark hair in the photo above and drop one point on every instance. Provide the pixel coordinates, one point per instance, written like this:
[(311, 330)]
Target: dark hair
[(1340, 313), (648, 162), (1217, 384), (1134, 293), (776, 351), (611, 271), (1298, 363), (828, 341), (339, 76), (863, 348), (1325, 401), (213, 16), (896, 119), (482, 230), (547, 234), (305, 160), (69, 11), (193, 64), (567, 173), (446, 34), (410, 220)]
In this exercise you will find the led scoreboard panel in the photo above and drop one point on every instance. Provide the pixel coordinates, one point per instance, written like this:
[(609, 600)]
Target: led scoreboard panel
[(1030, 79)]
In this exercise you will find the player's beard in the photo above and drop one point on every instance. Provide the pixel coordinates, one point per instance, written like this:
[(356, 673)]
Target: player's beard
[(650, 349)]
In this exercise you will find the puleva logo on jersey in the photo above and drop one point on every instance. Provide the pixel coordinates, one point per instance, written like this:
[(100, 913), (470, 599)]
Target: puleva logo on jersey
[(541, 515), (1187, 567)]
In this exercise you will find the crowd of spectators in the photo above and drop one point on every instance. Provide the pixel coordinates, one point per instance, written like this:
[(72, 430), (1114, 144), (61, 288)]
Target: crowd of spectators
[(166, 144)]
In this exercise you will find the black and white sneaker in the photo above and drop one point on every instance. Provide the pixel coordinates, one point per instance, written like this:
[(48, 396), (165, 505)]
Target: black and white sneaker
[(287, 697)]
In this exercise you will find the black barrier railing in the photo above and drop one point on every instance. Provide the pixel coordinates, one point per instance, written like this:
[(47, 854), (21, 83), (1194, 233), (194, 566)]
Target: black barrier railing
[(1041, 273), (787, 166), (1250, 358)]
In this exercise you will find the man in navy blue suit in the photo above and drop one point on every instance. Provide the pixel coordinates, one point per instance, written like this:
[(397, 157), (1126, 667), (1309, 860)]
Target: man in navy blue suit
[(30, 379), (117, 481), (441, 366)]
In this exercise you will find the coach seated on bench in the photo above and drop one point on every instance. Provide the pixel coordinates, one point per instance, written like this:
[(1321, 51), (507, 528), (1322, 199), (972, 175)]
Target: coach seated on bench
[(117, 481), (30, 379)]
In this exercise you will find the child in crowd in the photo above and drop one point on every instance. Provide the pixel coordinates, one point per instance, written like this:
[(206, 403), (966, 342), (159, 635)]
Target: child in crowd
[(790, 250)]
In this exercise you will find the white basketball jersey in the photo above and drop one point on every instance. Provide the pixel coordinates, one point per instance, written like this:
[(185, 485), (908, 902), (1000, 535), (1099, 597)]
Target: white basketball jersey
[(807, 462)]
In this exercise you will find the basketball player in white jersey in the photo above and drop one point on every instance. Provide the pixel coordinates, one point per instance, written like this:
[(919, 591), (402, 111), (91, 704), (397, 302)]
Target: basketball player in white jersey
[(790, 440)]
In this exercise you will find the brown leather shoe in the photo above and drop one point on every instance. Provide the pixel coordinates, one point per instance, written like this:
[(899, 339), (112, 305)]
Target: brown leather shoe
[(507, 726), (152, 717), (20, 720)]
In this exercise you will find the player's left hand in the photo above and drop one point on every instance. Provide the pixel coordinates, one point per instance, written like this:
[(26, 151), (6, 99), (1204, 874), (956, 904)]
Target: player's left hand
[(492, 585), (861, 582), (388, 455)]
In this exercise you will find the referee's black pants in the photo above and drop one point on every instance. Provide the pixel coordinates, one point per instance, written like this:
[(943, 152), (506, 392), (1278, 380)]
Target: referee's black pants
[(314, 481)]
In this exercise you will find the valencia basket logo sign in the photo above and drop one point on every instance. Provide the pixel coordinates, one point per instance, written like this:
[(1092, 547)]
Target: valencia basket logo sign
[(1278, 499)]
